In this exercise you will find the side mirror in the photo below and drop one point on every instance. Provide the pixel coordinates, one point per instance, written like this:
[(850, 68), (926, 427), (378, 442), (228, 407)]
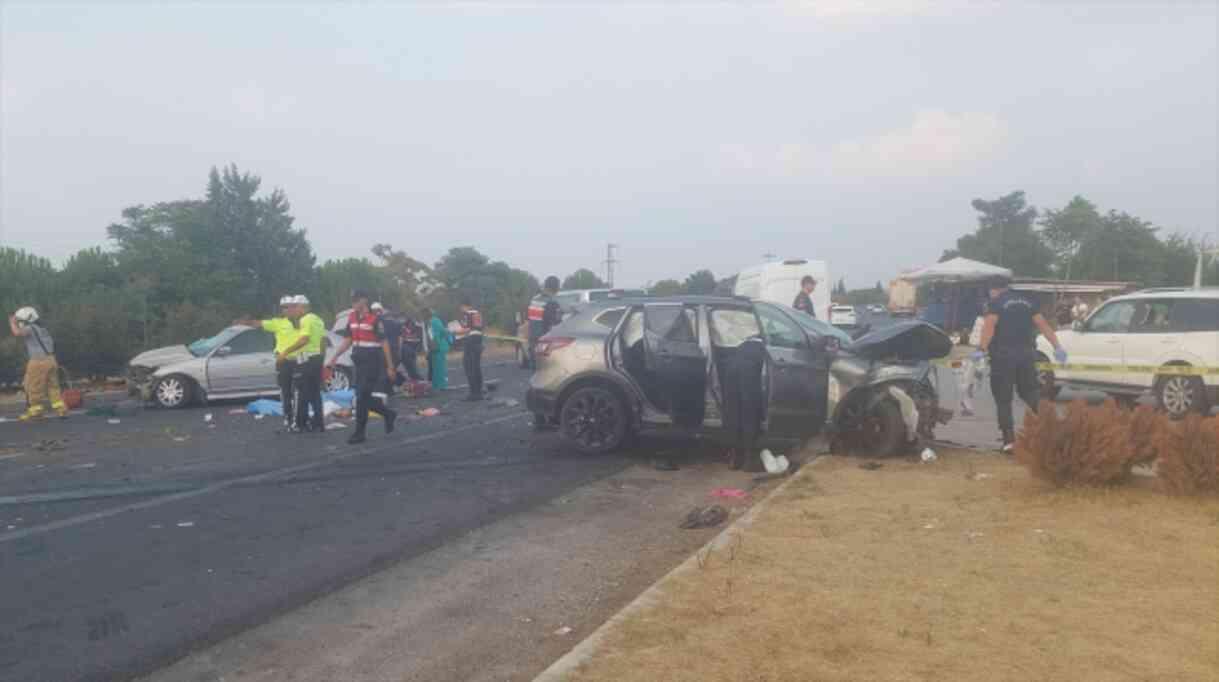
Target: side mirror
[(223, 351)]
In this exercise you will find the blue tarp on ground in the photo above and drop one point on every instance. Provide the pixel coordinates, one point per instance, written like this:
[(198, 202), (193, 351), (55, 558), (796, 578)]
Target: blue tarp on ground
[(274, 408)]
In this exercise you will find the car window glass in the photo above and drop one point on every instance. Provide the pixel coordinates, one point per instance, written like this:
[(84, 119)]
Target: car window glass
[(567, 300), (609, 318), (1153, 316), (673, 323), (780, 330), (1196, 315), (252, 341), (731, 326), (1114, 318), (632, 331)]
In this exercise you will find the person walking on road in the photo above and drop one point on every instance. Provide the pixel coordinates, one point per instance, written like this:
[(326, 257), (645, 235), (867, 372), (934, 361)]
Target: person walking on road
[(544, 314), (41, 369), (472, 350), (365, 335), (307, 355), (286, 332), (1009, 333), (804, 299), (393, 335), (438, 350)]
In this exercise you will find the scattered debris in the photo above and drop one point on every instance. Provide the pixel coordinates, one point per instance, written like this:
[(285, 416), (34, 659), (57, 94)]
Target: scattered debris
[(207, 418), (871, 466), (928, 456), (335, 426), (51, 445), (259, 416), (505, 402), (665, 464), (114, 420), (86, 465), (428, 412), (156, 526), (186, 524), (729, 493), (704, 517), (237, 410), (265, 407), (181, 439), (773, 464), (977, 476), (564, 631)]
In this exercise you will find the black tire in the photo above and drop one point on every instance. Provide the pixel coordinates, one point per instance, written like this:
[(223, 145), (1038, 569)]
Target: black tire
[(173, 392), (594, 420), (881, 432), (340, 380), (1046, 380), (1178, 395)]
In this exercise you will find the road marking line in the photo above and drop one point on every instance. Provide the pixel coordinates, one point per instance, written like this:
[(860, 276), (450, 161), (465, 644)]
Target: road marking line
[(13, 456), (254, 478)]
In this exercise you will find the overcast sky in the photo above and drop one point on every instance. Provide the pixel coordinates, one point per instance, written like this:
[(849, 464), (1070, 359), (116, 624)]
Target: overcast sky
[(693, 135)]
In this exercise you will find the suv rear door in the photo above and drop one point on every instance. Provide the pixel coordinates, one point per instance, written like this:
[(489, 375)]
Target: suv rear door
[(675, 358), (799, 374)]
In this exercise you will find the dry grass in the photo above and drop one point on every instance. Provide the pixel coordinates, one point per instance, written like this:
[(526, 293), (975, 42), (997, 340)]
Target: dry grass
[(932, 572), (1189, 455)]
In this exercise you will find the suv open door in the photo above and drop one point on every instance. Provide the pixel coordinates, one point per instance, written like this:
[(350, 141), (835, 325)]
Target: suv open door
[(675, 359), (799, 376)]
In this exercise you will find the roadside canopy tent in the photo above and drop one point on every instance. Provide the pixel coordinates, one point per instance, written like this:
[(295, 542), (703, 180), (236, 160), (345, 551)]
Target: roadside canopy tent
[(956, 270)]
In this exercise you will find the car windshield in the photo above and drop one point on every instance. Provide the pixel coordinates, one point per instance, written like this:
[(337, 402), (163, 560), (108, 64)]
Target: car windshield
[(202, 347)]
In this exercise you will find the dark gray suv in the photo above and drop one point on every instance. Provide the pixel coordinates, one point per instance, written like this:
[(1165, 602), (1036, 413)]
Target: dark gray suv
[(618, 367)]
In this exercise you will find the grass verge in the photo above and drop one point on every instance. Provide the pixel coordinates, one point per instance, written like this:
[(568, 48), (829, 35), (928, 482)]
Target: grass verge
[(965, 569)]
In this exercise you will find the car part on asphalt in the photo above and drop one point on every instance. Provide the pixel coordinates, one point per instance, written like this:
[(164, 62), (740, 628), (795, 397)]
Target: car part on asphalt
[(704, 517)]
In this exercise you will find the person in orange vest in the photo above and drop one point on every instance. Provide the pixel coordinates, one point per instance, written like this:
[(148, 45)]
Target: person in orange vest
[(374, 363), (472, 352)]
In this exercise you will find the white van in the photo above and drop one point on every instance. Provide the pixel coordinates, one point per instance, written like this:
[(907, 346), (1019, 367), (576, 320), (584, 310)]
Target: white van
[(780, 282)]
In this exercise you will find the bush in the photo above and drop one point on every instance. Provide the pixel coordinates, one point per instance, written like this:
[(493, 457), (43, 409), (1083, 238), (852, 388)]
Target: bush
[(1189, 455), (1087, 446)]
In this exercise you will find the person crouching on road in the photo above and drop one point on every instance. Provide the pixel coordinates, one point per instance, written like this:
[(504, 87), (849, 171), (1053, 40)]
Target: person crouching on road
[(1009, 334), (472, 352), (365, 335), (286, 333), (306, 356), (438, 350), (41, 369)]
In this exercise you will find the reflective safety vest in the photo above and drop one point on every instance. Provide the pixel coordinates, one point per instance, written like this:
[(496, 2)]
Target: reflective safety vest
[(363, 330)]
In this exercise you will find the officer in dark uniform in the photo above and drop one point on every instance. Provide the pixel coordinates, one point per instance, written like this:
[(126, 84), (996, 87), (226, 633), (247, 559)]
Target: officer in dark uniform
[(544, 314), (412, 342), (1009, 333), (374, 364), (804, 299), (472, 350)]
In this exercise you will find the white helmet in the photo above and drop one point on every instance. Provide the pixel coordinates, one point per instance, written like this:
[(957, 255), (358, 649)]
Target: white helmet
[(287, 300), (26, 315), (300, 299), (377, 306)]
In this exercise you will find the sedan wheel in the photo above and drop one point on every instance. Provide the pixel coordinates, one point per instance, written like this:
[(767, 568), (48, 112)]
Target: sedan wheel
[(1180, 395), (594, 420), (172, 392), (340, 380)]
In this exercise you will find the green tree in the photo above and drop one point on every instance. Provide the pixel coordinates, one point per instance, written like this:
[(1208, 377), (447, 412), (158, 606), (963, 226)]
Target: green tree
[(726, 286), (499, 290), (336, 279), (701, 283), (1005, 237), (668, 287), (408, 274), (584, 279)]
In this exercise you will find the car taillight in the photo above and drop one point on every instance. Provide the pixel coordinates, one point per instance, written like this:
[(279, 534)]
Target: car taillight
[(549, 344)]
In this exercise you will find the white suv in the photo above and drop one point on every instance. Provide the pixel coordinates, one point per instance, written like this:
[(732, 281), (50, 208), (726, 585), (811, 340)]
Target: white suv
[(1138, 333)]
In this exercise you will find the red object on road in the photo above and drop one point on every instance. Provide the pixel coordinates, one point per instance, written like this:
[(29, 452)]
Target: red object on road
[(73, 398), (730, 493)]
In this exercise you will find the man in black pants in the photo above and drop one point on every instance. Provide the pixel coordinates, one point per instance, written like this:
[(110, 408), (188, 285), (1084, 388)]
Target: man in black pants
[(412, 341), (365, 335), (472, 353), (1009, 333)]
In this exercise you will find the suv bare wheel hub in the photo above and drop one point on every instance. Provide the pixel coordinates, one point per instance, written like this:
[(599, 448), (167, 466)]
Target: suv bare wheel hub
[(1178, 395), (593, 419)]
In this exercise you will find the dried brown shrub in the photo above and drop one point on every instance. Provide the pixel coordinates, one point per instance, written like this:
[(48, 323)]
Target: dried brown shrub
[(1189, 455), (1145, 423), (1087, 446)]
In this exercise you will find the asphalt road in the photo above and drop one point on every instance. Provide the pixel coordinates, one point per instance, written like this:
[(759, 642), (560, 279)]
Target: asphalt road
[(124, 546)]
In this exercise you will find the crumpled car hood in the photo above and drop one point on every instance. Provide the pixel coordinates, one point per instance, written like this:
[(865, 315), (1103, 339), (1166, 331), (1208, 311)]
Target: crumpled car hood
[(908, 340), (159, 357)]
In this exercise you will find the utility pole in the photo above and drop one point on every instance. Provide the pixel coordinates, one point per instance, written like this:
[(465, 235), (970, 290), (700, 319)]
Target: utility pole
[(610, 262), (768, 257)]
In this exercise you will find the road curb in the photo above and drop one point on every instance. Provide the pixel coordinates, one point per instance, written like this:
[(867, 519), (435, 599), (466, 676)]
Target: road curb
[(567, 663)]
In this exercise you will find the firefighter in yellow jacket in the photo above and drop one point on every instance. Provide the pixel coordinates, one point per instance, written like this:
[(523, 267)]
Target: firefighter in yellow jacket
[(41, 371)]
